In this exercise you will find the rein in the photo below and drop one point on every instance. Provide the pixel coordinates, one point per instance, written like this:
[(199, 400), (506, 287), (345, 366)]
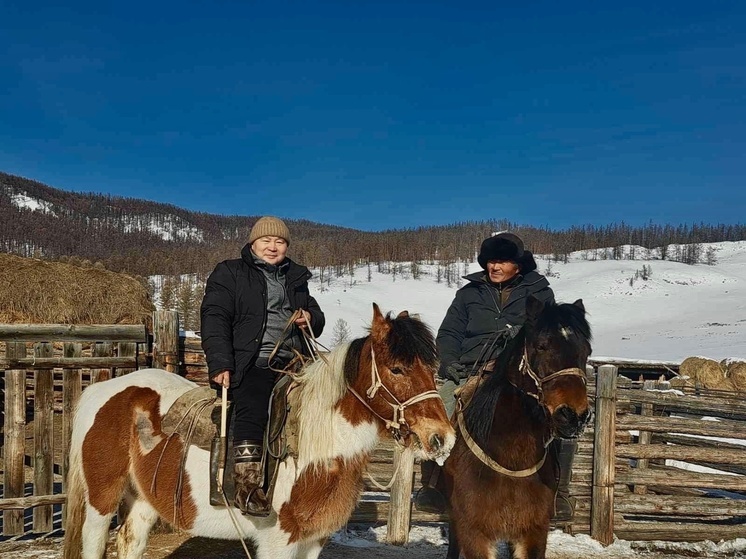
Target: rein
[(490, 462), (397, 425), (523, 368)]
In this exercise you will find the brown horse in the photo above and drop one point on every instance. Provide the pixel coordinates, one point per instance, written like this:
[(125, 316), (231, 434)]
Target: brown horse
[(500, 478), (382, 383)]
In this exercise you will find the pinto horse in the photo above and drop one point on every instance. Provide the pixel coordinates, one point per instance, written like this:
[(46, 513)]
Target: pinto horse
[(345, 402), (500, 478)]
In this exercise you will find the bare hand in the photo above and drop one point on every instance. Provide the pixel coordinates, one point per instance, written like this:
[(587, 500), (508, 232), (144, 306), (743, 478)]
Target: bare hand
[(303, 320), (223, 378)]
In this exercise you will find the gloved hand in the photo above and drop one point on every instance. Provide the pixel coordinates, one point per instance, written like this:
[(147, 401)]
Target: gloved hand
[(452, 371)]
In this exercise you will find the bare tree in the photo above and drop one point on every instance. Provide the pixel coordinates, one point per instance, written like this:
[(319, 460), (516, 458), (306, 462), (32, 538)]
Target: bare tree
[(341, 332)]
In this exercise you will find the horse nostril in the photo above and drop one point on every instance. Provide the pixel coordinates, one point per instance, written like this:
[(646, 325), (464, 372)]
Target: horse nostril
[(436, 441)]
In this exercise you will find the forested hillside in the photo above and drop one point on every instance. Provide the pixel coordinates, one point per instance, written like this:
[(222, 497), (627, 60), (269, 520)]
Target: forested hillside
[(147, 238)]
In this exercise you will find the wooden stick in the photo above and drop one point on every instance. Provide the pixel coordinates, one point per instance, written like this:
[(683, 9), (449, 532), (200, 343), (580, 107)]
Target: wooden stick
[(223, 432)]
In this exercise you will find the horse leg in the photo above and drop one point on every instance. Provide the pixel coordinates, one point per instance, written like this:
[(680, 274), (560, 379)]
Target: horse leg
[(95, 533), (133, 535), (474, 545), (478, 547), (532, 546), (453, 547), (311, 549)]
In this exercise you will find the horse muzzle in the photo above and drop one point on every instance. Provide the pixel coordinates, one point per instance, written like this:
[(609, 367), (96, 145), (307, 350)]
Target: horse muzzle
[(568, 424), (434, 445)]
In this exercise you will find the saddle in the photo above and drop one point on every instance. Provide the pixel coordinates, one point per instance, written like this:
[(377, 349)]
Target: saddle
[(195, 416)]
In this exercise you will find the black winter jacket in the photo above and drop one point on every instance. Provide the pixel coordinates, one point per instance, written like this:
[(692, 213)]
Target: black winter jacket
[(476, 315), (234, 312)]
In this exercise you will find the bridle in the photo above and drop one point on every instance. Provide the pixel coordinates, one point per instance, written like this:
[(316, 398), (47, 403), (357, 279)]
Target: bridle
[(397, 425), (524, 368)]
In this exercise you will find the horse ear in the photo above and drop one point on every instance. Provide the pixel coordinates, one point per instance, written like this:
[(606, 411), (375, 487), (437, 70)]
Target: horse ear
[(380, 326), (579, 304), (403, 314), (377, 314), (533, 308)]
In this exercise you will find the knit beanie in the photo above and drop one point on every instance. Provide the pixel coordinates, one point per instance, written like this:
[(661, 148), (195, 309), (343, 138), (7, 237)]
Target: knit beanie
[(269, 226), (505, 247)]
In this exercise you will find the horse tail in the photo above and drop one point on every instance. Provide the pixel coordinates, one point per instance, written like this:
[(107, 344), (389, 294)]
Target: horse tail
[(75, 507)]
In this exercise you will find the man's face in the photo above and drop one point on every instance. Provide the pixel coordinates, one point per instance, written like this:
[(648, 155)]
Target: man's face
[(501, 270), (270, 249)]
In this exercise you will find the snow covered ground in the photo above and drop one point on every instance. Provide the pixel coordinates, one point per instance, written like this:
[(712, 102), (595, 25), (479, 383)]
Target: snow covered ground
[(679, 311)]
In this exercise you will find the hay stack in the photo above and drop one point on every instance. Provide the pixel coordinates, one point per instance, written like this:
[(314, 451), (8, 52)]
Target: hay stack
[(37, 291), (737, 374), (707, 373), (689, 370)]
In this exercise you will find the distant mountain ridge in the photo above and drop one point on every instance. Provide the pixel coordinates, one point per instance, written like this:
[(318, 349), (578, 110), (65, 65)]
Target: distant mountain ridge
[(122, 233), (147, 238)]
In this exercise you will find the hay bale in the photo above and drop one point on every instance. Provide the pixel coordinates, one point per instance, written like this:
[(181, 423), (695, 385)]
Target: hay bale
[(689, 368), (36, 291), (711, 375), (737, 374)]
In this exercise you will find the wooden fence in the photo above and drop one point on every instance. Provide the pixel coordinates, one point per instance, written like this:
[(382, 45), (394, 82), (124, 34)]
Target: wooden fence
[(45, 368), (632, 476)]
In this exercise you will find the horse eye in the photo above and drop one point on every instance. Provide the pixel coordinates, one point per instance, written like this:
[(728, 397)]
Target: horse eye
[(397, 370)]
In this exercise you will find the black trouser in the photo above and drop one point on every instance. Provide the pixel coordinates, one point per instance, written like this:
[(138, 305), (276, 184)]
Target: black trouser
[(251, 403)]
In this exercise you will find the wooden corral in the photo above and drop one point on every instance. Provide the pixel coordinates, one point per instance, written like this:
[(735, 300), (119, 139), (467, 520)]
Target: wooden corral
[(632, 476), (45, 368)]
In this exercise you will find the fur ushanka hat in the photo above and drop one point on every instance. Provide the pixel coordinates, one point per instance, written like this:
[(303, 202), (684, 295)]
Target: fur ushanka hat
[(503, 246)]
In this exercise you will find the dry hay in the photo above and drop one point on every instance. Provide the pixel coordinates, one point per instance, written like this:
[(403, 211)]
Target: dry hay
[(737, 374), (689, 369), (707, 373), (37, 291)]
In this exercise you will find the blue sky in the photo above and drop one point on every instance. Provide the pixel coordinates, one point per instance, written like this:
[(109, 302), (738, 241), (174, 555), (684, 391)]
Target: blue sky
[(381, 115)]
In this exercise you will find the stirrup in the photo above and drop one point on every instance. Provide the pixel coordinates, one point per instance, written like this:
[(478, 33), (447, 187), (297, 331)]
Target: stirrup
[(429, 499)]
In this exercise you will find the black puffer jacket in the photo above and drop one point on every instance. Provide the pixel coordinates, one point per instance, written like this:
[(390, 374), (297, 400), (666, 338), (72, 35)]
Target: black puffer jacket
[(477, 314), (234, 312)]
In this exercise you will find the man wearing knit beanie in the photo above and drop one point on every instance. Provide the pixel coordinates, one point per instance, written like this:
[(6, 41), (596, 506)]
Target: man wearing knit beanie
[(269, 226), (247, 307)]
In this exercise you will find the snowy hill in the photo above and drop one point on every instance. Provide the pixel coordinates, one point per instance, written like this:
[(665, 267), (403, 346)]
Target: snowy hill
[(680, 310)]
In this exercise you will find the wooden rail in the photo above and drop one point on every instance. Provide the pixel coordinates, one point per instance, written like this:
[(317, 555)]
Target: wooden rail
[(41, 391), (625, 478)]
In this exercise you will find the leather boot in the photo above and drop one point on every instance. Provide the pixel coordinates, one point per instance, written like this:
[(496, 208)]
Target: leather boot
[(429, 498), (564, 504), (249, 478)]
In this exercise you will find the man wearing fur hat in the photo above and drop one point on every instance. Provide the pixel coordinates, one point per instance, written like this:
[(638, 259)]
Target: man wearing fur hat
[(485, 313), (247, 304)]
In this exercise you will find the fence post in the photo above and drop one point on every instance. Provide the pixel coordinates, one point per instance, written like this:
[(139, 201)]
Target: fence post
[(14, 433), (166, 341), (102, 349), (72, 387), (645, 437), (43, 438), (400, 505), (602, 500)]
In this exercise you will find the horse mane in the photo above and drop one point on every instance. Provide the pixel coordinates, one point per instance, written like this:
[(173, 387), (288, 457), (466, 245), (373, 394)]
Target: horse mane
[(480, 412), (408, 339), (555, 316), (322, 385), (411, 339)]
